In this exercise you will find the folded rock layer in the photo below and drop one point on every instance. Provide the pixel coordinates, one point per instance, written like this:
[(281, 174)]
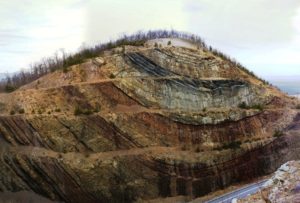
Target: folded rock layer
[(141, 123)]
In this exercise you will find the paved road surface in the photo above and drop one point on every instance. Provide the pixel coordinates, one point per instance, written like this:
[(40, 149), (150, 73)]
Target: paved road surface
[(238, 194)]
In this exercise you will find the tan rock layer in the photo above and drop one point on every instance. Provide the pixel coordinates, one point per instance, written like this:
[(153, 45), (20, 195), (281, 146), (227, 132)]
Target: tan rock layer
[(141, 123)]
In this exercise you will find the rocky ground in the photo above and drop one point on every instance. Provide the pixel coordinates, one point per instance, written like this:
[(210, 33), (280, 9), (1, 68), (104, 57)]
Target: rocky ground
[(22, 197), (283, 187)]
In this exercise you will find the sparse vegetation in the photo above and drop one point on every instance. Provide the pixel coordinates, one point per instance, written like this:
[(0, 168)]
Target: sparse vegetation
[(230, 145), (2, 106), (66, 69), (198, 149), (62, 60), (243, 105), (233, 145), (9, 88), (258, 106), (60, 156), (21, 111), (82, 111), (97, 109), (112, 76), (278, 133), (185, 147), (233, 62)]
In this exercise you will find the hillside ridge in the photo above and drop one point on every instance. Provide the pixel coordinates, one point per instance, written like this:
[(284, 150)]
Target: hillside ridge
[(138, 123)]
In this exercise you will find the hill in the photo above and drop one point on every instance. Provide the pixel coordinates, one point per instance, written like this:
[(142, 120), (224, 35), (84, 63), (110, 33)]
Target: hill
[(143, 122)]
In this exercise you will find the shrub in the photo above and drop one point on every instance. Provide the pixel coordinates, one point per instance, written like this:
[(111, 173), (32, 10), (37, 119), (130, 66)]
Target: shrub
[(184, 147), (10, 88), (169, 43), (257, 106), (12, 112), (97, 109), (243, 105), (87, 112), (60, 156), (298, 106), (65, 69), (78, 111), (57, 110), (198, 150), (21, 111), (112, 76), (232, 145), (278, 133)]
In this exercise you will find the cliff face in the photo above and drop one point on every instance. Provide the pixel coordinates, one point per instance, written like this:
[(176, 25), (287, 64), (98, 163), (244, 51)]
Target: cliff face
[(140, 123)]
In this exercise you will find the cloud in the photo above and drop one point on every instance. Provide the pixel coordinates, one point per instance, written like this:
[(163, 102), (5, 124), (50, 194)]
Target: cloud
[(261, 34), (243, 22), (107, 20), (264, 35), (31, 30)]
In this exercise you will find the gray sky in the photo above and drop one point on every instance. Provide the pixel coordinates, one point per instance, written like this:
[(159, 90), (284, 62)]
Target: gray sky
[(264, 35)]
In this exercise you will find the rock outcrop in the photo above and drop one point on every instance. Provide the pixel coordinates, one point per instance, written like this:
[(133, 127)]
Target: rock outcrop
[(140, 123), (284, 186)]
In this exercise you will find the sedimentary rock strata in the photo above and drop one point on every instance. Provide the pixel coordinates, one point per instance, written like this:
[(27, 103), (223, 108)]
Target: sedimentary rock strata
[(142, 123)]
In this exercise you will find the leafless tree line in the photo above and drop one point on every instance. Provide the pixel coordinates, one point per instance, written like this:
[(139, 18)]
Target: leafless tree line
[(62, 60)]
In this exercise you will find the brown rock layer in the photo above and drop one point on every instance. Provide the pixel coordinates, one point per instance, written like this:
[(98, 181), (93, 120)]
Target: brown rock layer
[(145, 124)]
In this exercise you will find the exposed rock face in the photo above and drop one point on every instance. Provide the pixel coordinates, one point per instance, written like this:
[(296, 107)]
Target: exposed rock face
[(142, 123), (283, 187), (174, 91)]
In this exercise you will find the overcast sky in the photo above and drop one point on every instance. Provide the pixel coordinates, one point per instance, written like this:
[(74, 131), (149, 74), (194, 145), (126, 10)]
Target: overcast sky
[(264, 35)]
